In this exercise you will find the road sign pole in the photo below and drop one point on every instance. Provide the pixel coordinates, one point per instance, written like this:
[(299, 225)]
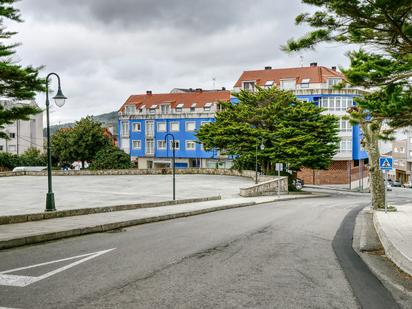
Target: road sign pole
[(386, 198)]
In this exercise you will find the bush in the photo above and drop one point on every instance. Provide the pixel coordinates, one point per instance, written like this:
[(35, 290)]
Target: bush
[(111, 157), (8, 161), (33, 157)]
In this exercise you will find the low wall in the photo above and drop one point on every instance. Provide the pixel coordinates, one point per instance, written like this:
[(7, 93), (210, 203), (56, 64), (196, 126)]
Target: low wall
[(206, 171), (269, 187)]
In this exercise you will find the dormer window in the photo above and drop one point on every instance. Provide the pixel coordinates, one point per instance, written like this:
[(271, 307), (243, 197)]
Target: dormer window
[(334, 81), (130, 109), (288, 84), (165, 108), (193, 107), (249, 86), (269, 83), (153, 108), (179, 107), (305, 83), (207, 107), (142, 108)]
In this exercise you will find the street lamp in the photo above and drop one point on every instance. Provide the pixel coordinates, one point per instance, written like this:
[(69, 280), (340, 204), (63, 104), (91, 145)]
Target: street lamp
[(256, 160), (173, 162), (59, 99)]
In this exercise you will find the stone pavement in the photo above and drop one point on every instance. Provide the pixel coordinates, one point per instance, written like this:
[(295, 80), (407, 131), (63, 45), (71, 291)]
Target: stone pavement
[(395, 232), (18, 234)]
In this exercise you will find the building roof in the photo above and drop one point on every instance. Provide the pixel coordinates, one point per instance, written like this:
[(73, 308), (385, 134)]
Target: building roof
[(201, 98), (316, 74)]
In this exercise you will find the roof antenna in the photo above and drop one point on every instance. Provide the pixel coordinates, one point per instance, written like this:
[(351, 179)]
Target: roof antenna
[(301, 61), (214, 82)]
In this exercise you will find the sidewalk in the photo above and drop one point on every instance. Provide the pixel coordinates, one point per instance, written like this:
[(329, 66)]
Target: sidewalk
[(19, 234), (395, 232)]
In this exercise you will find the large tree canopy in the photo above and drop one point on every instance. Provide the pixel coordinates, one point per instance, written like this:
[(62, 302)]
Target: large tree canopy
[(292, 131), (16, 82), (383, 28)]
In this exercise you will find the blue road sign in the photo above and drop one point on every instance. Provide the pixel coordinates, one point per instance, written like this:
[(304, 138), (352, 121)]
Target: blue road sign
[(385, 163)]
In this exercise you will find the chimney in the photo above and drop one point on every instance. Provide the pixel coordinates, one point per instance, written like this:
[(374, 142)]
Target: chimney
[(223, 88), (313, 64), (198, 89), (334, 68), (190, 89), (268, 68), (149, 92)]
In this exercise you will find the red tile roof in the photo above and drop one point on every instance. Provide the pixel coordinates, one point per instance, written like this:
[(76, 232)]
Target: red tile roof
[(186, 98), (316, 74)]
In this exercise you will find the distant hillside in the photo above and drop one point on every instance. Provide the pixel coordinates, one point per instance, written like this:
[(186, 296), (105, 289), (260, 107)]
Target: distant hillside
[(106, 119)]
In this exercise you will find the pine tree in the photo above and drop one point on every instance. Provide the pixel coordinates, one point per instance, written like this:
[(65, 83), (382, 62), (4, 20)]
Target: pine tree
[(384, 29), (16, 82)]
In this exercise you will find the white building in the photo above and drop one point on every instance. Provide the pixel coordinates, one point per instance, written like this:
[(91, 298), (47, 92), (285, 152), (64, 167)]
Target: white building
[(24, 134)]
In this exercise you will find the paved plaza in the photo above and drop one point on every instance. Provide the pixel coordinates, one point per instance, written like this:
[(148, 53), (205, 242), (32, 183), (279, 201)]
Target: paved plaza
[(27, 194)]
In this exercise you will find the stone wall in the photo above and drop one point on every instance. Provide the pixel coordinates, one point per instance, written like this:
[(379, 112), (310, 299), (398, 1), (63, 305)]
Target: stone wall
[(206, 171), (269, 187)]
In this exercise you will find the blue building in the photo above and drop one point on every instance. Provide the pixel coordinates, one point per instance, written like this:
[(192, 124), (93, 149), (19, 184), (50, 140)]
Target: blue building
[(146, 119), (315, 84)]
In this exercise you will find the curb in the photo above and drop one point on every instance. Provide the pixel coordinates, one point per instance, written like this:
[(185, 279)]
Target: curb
[(401, 293), (87, 211), (33, 239), (28, 240), (397, 256)]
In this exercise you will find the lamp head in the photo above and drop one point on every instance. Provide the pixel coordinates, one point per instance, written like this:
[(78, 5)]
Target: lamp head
[(59, 98)]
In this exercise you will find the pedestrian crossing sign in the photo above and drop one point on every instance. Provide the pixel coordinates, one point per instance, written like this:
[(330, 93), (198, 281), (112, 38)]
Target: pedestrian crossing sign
[(385, 163)]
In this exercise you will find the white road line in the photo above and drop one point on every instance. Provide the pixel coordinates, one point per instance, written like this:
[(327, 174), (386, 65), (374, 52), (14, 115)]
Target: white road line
[(22, 281)]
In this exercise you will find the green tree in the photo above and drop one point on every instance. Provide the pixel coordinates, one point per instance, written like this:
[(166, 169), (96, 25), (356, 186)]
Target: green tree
[(16, 82), (33, 157), (111, 157), (8, 161), (292, 131), (82, 142), (384, 27)]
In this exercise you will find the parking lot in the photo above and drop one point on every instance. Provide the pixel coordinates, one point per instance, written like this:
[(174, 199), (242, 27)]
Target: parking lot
[(27, 194)]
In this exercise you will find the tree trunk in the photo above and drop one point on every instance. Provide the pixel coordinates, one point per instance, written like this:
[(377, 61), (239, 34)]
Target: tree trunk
[(371, 140)]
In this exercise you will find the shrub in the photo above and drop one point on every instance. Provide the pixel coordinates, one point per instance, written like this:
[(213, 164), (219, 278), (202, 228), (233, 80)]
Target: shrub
[(111, 157)]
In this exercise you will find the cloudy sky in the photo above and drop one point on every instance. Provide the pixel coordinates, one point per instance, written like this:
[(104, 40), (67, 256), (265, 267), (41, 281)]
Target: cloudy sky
[(106, 50)]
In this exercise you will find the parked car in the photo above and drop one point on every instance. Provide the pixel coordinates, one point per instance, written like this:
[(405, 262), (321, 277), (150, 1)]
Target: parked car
[(388, 186), (298, 183), (396, 184), (407, 184)]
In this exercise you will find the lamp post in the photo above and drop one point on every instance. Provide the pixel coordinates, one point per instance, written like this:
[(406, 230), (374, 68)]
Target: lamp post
[(256, 160), (59, 99), (173, 162)]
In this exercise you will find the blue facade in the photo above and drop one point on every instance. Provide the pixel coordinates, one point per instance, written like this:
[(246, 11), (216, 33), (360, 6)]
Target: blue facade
[(182, 135), (358, 153)]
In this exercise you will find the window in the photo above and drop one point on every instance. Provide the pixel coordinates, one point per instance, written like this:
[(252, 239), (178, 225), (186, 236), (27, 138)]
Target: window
[(149, 128), (161, 145), (305, 83), (410, 153), (288, 84), (190, 145), (190, 126), (149, 147), (345, 145), (165, 108), (395, 149), (130, 109), (336, 104), (12, 135), (1, 147), (136, 126), (193, 107), (125, 129), (410, 140), (207, 107), (401, 149), (304, 99), (249, 86), (142, 108), (344, 125), (269, 83), (153, 108), (12, 148), (174, 126), (179, 107), (204, 122), (177, 145), (161, 127), (137, 144), (334, 81)]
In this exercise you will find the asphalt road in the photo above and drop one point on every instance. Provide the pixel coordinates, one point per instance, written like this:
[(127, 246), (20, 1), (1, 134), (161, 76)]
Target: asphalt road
[(276, 255)]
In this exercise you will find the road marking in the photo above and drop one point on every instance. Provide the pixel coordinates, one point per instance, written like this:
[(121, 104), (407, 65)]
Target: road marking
[(22, 281)]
